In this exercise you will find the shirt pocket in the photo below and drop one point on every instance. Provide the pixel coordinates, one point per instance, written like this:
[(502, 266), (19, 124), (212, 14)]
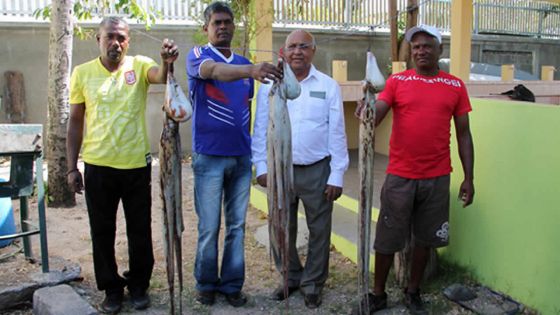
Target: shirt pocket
[(315, 111)]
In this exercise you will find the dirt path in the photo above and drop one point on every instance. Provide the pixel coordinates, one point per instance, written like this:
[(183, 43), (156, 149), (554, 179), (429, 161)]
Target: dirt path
[(68, 237)]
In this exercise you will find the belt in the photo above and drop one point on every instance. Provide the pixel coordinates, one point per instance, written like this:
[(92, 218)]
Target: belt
[(328, 157)]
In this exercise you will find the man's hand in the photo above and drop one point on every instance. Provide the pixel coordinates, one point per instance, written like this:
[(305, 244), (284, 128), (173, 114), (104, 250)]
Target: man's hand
[(169, 51), (261, 180), (333, 192), (367, 86), (75, 181), (466, 192), (264, 72)]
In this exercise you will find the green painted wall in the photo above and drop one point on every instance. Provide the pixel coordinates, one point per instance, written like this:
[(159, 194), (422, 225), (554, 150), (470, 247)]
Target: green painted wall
[(510, 236)]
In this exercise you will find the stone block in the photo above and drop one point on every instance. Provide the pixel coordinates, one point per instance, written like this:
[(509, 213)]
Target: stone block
[(60, 300)]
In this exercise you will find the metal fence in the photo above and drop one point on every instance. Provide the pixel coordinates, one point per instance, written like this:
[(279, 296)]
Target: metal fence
[(516, 17), (531, 18), (169, 11)]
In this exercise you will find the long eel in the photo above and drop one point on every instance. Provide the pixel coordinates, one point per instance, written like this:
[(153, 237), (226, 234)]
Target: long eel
[(177, 108), (280, 168), (374, 83)]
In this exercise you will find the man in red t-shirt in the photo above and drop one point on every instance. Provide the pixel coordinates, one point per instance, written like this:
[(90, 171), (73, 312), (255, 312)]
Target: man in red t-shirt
[(416, 190)]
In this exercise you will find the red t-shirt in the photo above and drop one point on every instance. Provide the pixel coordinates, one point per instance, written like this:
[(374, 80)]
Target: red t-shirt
[(422, 110)]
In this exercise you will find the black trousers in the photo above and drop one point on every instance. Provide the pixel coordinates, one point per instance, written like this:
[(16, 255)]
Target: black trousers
[(104, 187)]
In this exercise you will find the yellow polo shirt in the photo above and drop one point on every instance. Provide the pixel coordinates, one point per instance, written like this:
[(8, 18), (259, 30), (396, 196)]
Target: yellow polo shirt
[(115, 104)]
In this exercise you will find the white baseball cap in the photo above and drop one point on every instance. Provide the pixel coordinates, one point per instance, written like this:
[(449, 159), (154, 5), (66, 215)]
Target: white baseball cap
[(430, 30)]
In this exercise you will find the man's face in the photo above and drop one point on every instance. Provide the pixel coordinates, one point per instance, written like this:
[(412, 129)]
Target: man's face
[(220, 29), (299, 51), (425, 51), (112, 40)]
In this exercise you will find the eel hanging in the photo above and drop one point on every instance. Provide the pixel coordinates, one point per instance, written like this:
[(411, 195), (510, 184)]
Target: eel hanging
[(373, 83), (177, 108), (280, 168)]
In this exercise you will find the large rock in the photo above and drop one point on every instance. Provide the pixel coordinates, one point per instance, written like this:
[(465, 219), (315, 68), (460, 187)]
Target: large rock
[(60, 300), (61, 271)]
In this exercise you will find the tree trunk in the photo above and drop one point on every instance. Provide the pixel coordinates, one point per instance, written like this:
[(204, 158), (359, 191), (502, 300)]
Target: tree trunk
[(411, 21), (403, 261), (60, 60), (393, 19), (14, 97)]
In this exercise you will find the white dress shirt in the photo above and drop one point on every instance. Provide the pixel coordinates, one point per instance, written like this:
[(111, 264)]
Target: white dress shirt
[(317, 119)]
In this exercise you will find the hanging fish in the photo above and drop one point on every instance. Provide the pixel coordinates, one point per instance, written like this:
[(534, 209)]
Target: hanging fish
[(177, 108), (280, 181), (374, 82)]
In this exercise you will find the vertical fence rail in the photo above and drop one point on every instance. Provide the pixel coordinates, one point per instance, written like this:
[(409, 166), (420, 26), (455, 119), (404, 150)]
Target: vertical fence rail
[(515, 17)]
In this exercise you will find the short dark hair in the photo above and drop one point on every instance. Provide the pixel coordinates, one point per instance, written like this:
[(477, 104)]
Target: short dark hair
[(109, 20), (216, 7)]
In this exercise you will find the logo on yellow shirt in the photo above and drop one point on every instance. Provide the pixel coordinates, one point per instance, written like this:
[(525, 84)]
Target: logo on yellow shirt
[(130, 77)]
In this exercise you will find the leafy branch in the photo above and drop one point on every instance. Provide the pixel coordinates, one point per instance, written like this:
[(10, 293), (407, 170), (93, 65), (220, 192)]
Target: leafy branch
[(86, 10)]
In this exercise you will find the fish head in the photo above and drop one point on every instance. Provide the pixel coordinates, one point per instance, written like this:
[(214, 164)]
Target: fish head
[(177, 106), (374, 82), (290, 87)]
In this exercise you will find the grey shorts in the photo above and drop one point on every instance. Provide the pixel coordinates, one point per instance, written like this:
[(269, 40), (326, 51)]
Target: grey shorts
[(417, 205)]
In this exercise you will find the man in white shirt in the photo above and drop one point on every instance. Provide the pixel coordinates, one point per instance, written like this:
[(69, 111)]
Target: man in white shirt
[(320, 158)]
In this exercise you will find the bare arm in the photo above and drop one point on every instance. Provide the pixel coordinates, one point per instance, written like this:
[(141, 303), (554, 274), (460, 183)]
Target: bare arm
[(381, 110), (73, 145), (466, 153), (169, 53), (225, 72)]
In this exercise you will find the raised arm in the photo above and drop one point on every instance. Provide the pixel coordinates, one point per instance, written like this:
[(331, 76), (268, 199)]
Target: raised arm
[(169, 53), (225, 72)]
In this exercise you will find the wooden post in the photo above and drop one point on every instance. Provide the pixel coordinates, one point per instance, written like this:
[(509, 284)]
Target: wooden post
[(399, 66), (264, 16), (394, 30), (14, 97), (461, 28), (507, 72), (411, 21), (340, 70), (547, 73)]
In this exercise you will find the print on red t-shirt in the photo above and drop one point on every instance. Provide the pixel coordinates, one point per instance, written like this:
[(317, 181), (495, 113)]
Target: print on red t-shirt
[(422, 110)]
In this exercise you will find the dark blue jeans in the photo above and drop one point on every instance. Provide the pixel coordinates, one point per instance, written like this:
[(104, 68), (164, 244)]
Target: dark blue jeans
[(220, 179)]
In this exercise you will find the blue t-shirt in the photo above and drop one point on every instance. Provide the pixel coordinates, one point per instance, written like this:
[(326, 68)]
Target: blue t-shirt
[(221, 109)]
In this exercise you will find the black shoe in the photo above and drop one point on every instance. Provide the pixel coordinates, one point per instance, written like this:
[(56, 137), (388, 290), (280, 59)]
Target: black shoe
[(312, 300), (279, 294), (236, 299), (375, 303), (139, 299), (113, 302), (414, 303), (206, 297)]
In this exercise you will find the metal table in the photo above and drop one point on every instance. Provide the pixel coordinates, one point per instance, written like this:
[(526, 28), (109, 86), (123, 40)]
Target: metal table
[(23, 144)]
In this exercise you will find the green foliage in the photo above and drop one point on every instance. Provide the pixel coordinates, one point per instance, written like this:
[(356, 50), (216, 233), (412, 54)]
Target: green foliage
[(84, 10)]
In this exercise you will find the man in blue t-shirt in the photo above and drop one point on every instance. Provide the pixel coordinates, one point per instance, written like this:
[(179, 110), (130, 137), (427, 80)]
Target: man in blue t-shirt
[(221, 88)]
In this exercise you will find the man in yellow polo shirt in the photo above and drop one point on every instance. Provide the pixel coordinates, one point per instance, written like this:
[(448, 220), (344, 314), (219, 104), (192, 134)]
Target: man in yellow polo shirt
[(108, 97)]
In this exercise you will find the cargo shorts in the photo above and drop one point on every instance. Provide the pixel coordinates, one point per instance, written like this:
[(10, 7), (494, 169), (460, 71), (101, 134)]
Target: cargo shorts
[(417, 205)]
